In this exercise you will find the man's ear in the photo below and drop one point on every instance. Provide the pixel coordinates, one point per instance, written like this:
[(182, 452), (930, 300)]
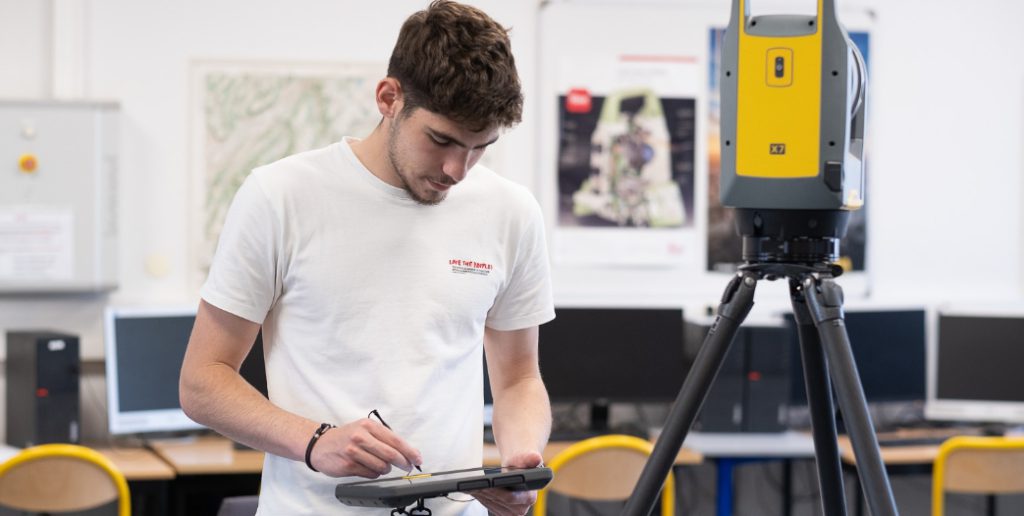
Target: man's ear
[(389, 97)]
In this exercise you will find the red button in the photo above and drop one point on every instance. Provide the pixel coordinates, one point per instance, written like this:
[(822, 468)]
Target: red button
[(27, 163), (42, 392)]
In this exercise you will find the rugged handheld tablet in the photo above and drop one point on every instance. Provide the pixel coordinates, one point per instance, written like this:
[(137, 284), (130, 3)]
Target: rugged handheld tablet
[(403, 491)]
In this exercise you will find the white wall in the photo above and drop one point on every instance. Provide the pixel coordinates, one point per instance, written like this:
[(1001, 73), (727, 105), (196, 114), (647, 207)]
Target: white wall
[(946, 142), (25, 48), (947, 128)]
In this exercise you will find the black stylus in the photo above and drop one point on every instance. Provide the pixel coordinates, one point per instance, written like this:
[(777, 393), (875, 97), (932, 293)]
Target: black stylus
[(376, 414)]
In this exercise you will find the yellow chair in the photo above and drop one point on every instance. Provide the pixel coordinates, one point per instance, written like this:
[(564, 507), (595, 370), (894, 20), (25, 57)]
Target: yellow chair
[(62, 478), (603, 468), (977, 465)]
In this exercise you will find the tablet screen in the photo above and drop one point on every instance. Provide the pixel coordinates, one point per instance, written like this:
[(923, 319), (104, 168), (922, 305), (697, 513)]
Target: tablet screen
[(444, 475)]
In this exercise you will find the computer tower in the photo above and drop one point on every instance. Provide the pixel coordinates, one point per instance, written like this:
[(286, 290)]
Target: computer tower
[(42, 388), (768, 370), (751, 391), (723, 407)]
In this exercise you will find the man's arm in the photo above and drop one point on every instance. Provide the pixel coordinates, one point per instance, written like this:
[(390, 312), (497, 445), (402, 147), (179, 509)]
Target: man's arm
[(522, 412), (214, 394)]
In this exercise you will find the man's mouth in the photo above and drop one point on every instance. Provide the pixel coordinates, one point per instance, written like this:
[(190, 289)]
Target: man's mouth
[(440, 185)]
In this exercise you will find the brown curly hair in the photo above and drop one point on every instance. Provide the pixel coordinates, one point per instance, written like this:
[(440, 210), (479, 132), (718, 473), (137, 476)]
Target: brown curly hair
[(454, 60)]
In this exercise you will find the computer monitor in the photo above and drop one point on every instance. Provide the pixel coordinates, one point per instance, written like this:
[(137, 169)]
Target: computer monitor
[(145, 347), (602, 355), (889, 350), (974, 368)]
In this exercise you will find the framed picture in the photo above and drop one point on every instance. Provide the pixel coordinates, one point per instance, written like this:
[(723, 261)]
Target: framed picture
[(248, 114)]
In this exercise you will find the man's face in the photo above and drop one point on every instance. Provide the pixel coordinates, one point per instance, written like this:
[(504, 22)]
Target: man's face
[(430, 153)]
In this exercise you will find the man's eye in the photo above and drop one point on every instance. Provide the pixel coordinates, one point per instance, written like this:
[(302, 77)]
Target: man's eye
[(440, 141)]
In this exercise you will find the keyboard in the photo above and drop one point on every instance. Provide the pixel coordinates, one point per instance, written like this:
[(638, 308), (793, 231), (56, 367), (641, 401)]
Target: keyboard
[(925, 436), (912, 441)]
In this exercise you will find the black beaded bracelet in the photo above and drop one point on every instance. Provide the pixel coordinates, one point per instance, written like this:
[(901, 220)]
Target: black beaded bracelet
[(324, 427)]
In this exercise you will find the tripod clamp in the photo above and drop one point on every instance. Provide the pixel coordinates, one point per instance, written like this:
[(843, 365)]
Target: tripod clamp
[(418, 510), (774, 270)]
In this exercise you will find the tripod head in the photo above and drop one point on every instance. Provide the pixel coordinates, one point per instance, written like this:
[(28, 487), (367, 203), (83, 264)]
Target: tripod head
[(793, 108)]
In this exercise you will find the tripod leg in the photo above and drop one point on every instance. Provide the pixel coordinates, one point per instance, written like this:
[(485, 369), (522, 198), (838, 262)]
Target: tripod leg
[(736, 304), (819, 399), (825, 304)]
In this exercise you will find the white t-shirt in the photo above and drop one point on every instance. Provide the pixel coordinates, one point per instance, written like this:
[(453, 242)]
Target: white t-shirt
[(370, 300)]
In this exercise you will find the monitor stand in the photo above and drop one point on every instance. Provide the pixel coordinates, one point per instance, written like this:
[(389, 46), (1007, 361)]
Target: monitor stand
[(598, 425), (599, 410)]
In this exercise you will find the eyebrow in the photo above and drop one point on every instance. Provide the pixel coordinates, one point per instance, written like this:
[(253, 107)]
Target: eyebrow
[(446, 136)]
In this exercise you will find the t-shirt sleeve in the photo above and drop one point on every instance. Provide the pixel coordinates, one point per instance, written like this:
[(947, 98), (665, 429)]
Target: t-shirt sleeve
[(526, 299), (243, 278)]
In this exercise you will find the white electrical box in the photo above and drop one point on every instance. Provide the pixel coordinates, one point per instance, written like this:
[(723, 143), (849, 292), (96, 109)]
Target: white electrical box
[(58, 196)]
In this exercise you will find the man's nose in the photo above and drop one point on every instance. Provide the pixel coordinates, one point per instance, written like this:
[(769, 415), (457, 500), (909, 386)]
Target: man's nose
[(457, 165)]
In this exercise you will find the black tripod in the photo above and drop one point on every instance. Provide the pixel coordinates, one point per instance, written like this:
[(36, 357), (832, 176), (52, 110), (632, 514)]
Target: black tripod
[(825, 353)]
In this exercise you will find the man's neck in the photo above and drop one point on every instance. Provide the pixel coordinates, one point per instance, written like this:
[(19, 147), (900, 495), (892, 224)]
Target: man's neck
[(372, 153)]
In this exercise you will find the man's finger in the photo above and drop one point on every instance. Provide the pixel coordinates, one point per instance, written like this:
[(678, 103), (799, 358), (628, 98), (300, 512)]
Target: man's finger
[(406, 453), (490, 498)]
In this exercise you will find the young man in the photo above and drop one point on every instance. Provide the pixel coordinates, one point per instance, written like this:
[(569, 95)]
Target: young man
[(376, 268)]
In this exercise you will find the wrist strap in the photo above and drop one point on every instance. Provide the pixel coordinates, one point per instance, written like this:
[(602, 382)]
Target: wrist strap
[(324, 427)]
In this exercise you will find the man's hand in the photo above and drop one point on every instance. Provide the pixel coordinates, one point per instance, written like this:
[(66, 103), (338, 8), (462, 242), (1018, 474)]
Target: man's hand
[(503, 502), (363, 448)]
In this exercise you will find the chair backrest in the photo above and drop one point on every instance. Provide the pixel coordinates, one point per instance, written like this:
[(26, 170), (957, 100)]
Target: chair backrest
[(603, 468), (239, 506), (62, 478), (977, 465)]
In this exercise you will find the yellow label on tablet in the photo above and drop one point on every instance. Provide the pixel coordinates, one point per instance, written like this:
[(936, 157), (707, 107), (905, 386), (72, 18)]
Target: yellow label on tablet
[(420, 475)]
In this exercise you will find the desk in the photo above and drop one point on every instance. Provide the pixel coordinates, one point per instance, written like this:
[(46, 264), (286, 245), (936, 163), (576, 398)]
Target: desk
[(729, 450), (133, 463), (195, 459), (893, 455), (148, 477), (208, 455), (7, 451), (138, 463), (216, 456)]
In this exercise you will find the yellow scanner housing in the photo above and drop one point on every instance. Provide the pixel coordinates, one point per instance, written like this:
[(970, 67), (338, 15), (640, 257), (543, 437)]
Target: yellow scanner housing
[(778, 107)]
